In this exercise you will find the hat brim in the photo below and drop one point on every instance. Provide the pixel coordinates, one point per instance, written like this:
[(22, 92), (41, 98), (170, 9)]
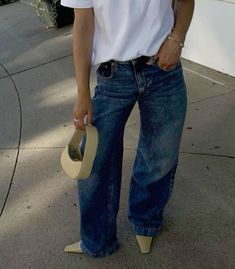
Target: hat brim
[(73, 163)]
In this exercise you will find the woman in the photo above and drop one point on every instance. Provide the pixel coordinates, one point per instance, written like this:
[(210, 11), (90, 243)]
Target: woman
[(135, 47)]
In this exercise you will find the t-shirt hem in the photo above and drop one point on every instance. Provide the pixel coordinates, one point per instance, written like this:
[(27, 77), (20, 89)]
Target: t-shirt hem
[(75, 4)]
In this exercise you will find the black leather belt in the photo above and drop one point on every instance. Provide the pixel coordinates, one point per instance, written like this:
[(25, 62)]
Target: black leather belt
[(139, 60)]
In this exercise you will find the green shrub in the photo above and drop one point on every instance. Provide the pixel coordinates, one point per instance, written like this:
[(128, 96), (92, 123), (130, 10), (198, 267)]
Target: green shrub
[(52, 14)]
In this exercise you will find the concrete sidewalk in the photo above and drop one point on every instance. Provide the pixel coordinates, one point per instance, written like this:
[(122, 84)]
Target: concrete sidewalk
[(39, 203)]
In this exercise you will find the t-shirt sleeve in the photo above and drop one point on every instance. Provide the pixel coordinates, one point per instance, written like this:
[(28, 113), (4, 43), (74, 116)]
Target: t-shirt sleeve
[(77, 3)]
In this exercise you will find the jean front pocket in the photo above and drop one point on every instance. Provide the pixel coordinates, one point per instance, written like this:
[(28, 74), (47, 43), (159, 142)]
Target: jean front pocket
[(156, 64), (106, 70)]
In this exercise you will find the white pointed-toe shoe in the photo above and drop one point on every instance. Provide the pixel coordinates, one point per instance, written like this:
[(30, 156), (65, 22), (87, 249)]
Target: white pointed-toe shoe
[(144, 243), (74, 248)]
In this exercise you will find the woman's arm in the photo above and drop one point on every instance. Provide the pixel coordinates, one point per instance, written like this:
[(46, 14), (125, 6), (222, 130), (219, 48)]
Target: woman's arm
[(170, 51), (83, 32), (183, 10)]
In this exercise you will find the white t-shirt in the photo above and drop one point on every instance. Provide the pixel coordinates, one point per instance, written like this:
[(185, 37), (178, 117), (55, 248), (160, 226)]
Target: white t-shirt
[(127, 29)]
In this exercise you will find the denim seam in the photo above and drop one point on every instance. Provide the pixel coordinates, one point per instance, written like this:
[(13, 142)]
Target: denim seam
[(144, 157), (173, 171), (138, 81), (172, 179), (109, 217), (110, 199)]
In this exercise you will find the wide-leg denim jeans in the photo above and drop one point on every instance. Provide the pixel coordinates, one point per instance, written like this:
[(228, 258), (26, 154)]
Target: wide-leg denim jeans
[(162, 102)]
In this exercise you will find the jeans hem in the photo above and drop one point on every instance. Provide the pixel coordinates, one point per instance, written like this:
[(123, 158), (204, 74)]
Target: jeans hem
[(146, 231), (109, 251)]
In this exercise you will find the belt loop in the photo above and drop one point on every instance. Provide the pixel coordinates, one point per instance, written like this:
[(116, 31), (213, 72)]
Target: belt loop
[(114, 64), (133, 61)]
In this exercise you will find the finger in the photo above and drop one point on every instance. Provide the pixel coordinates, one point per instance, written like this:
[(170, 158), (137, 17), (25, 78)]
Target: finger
[(171, 67), (161, 65), (152, 59), (85, 119), (79, 124), (89, 118), (76, 123)]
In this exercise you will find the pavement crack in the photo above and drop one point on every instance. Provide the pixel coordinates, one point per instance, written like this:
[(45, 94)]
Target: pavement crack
[(4, 76), (8, 148), (208, 154), (19, 141), (196, 153), (203, 76), (211, 97), (14, 148), (42, 147)]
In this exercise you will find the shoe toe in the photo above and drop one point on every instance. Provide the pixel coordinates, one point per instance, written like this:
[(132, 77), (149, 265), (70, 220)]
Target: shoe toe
[(75, 247)]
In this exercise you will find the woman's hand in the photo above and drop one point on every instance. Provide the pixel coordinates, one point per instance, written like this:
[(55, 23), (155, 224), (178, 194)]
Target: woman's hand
[(168, 55), (82, 111)]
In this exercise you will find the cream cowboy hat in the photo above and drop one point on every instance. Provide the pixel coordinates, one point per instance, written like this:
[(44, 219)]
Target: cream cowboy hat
[(73, 163)]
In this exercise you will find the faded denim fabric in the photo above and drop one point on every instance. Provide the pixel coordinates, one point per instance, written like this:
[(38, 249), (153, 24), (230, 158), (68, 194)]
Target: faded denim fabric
[(162, 101)]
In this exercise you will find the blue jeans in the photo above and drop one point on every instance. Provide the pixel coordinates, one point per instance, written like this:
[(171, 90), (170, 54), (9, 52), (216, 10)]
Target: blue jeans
[(162, 101)]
